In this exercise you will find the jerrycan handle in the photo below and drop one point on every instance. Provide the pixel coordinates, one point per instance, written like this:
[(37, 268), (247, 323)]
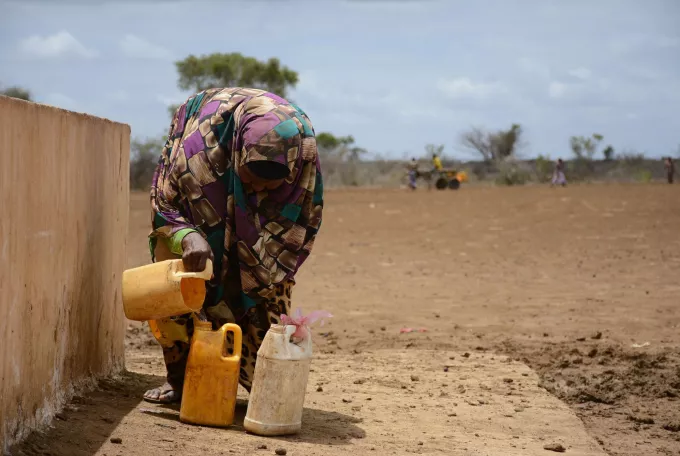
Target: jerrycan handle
[(238, 339), (290, 330), (206, 274), (304, 344)]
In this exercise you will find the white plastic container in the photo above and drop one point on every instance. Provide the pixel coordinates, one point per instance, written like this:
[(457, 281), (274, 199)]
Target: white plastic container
[(279, 384)]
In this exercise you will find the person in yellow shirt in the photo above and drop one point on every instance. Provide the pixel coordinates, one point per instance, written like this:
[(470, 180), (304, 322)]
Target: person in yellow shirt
[(437, 162)]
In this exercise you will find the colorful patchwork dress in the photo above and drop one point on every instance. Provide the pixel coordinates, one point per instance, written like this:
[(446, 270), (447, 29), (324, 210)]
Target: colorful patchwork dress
[(259, 239)]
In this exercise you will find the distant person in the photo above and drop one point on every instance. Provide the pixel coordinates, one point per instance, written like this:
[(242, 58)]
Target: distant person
[(412, 174), (437, 162), (670, 169), (239, 183), (558, 175)]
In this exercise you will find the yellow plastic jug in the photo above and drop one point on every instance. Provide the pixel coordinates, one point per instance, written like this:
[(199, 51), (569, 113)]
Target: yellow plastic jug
[(161, 290), (211, 376)]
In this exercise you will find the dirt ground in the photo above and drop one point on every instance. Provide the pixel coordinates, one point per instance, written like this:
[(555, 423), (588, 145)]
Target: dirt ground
[(580, 284)]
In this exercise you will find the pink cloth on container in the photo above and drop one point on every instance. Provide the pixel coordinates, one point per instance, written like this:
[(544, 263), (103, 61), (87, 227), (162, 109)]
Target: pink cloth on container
[(304, 321)]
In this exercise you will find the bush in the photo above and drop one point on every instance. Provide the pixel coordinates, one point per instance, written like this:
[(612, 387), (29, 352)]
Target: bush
[(580, 169), (632, 159), (480, 170), (512, 174), (543, 168), (16, 92), (144, 156), (644, 175)]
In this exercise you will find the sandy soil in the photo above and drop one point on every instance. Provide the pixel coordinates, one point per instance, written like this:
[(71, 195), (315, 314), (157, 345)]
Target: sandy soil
[(580, 284)]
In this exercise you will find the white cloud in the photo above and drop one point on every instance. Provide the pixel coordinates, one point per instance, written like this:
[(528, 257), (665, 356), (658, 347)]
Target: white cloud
[(557, 89), (467, 88), (343, 95), (61, 44), (587, 91), (136, 47), (581, 73)]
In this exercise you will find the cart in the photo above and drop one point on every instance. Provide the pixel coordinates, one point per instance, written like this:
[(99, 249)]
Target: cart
[(448, 178)]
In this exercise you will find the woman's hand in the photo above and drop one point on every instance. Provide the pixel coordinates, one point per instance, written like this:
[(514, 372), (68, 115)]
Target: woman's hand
[(196, 252)]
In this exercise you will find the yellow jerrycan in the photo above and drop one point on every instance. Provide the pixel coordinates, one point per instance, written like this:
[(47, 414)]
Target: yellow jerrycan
[(211, 376), (163, 289)]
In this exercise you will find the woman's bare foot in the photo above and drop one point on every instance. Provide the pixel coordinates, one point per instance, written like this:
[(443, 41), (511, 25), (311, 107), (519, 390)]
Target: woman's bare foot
[(165, 394)]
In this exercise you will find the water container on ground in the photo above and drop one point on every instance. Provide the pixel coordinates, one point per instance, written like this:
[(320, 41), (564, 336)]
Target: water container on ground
[(279, 383), (211, 379)]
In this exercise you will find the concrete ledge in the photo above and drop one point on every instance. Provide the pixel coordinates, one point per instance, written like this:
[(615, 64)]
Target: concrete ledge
[(361, 404)]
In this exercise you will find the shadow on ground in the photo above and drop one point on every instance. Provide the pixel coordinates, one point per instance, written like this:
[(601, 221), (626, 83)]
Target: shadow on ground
[(89, 420), (319, 426)]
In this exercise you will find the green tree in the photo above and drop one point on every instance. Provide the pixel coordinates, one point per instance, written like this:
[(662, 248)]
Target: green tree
[(16, 92), (495, 146), (506, 141), (340, 157), (576, 144), (144, 156), (608, 153), (340, 147), (585, 147), (235, 70), (327, 143)]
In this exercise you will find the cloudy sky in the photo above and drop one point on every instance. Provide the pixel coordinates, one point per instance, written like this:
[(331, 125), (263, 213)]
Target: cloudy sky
[(395, 74)]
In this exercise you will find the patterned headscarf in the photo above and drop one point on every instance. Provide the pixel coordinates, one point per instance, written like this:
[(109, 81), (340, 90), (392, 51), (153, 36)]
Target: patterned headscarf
[(267, 235)]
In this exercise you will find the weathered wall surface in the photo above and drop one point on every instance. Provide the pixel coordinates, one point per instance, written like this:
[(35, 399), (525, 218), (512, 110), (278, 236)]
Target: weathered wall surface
[(63, 220)]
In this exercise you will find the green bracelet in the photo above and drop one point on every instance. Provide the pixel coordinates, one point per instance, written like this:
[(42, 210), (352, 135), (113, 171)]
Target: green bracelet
[(175, 242)]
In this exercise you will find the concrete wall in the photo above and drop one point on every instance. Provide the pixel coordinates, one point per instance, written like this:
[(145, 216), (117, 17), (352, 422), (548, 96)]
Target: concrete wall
[(63, 221)]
